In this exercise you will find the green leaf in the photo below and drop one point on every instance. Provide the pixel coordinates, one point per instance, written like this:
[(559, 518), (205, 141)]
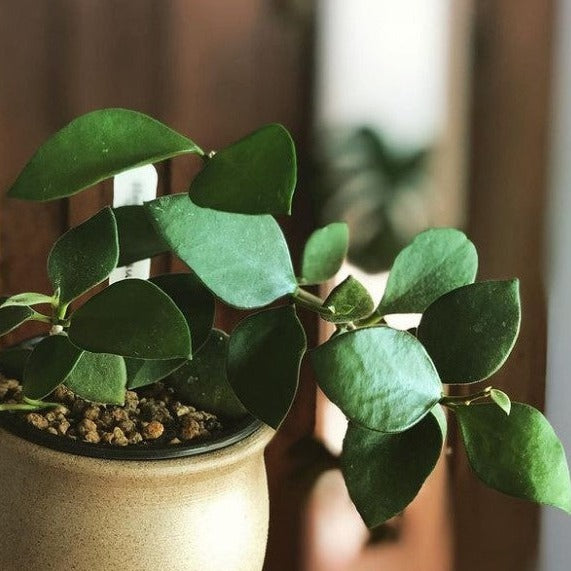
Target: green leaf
[(519, 455), (502, 400), (203, 382), (324, 253), (264, 357), (13, 361), (94, 147), (98, 377), (142, 372), (194, 301), (132, 318), (242, 259), (384, 472), (470, 331), (381, 378), (28, 298), (255, 175), (13, 316), (437, 261), (349, 301), (50, 363), (138, 238), (84, 256)]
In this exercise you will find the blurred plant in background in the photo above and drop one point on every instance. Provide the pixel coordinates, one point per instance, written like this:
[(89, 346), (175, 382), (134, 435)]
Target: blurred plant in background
[(379, 190)]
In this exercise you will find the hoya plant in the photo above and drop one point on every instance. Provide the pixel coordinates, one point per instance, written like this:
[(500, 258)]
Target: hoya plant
[(395, 387)]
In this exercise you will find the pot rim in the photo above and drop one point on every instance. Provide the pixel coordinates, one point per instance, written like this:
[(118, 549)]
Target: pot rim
[(17, 426), (117, 471)]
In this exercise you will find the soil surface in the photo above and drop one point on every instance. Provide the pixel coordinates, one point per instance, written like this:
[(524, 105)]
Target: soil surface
[(151, 416)]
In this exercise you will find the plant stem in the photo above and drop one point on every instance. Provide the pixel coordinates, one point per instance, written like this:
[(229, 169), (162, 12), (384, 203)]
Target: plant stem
[(41, 403), (373, 319), (61, 311), (40, 317), (467, 400), (309, 301), (24, 406), (29, 404)]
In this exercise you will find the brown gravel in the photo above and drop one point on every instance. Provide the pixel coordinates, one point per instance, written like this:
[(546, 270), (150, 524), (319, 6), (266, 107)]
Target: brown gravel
[(150, 416)]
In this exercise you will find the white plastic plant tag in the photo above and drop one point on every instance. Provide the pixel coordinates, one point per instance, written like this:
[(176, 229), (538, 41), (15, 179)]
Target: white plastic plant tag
[(134, 186)]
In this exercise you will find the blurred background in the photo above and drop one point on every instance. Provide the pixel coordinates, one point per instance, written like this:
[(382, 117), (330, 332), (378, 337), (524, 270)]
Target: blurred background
[(406, 115)]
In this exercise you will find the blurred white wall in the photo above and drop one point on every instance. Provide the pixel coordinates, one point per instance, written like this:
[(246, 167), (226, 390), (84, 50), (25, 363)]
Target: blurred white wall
[(384, 63), (555, 552)]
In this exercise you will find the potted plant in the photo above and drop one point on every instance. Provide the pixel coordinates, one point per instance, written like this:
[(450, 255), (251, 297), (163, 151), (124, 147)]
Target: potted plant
[(207, 507)]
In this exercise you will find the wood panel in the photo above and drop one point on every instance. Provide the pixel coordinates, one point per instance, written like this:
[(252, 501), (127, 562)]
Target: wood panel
[(509, 123), (26, 230), (224, 81), (212, 69)]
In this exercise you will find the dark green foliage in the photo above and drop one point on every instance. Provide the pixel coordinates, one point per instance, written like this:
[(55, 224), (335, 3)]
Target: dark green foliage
[(470, 331), (12, 316), (132, 318), (91, 249), (380, 378), (349, 301), (255, 175), (194, 301), (437, 261), (94, 147), (324, 253), (143, 372), (99, 377), (384, 472), (204, 380), (50, 363), (519, 454), (242, 259), (387, 382), (138, 238), (263, 362)]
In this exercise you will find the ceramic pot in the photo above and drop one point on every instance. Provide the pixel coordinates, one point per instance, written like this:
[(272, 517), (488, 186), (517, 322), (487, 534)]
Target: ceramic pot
[(207, 510)]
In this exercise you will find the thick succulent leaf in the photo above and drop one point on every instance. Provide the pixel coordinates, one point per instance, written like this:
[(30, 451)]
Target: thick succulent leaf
[(437, 261), (470, 331), (13, 361), (203, 382), (132, 318), (94, 147), (384, 472), (324, 253), (143, 372), (255, 175), (84, 256), (349, 301), (27, 298), (194, 301), (51, 361), (244, 260), (98, 377), (264, 357), (502, 400), (519, 455), (381, 378), (12, 316), (138, 238)]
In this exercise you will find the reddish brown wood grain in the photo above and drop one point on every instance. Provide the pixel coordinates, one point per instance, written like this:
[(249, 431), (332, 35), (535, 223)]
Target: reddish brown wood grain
[(510, 119), (214, 70)]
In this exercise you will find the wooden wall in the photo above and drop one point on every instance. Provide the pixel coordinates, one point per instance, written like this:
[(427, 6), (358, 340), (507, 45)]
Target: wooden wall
[(508, 186), (214, 70), (211, 69)]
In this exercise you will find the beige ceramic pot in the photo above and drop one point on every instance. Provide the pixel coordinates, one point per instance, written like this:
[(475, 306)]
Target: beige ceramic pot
[(207, 511)]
